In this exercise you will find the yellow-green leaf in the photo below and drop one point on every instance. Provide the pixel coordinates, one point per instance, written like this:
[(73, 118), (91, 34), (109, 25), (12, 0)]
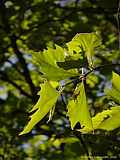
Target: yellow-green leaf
[(86, 42), (78, 110), (106, 120), (48, 98), (47, 62), (114, 92)]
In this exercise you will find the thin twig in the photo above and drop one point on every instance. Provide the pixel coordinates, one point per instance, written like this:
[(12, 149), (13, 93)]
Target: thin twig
[(79, 136), (24, 67), (79, 78)]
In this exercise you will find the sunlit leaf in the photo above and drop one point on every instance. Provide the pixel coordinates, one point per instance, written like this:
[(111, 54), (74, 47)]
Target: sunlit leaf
[(114, 92), (113, 120), (48, 98), (78, 110), (47, 62), (54, 84), (106, 120), (86, 42)]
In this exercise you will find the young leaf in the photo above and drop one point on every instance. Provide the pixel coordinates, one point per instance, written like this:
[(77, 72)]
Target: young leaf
[(113, 121), (86, 42), (47, 61), (48, 98), (78, 109), (107, 120), (114, 93)]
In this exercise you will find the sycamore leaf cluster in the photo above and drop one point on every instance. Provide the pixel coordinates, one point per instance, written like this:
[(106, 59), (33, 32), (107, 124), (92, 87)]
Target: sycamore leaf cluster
[(49, 63)]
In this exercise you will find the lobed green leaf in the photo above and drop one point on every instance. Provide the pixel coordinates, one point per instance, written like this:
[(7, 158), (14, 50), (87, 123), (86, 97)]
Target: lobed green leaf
[(78, 109), (47, 100), (86, 42), (114, 92), (106, 120), (47, 61)]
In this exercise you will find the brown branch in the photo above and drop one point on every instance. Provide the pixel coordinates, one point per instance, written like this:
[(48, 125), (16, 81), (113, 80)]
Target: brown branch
[(17, 52), (23, 66)]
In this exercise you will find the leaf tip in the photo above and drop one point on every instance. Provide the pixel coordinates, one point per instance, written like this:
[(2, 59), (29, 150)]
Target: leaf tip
[(21, 133)]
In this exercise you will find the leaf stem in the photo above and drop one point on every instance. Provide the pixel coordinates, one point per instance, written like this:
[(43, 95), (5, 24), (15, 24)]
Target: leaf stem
[(79, 136), (78, 79)]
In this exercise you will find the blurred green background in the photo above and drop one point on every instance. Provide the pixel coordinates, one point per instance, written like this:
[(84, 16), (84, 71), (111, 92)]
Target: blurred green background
[(32, 25)]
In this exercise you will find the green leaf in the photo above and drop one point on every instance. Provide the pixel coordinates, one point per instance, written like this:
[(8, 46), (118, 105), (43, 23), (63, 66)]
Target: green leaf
[(47, 62), (114, 92), (106, 120), (78, 109), (47, 100), (86, 42), (113, 121)]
